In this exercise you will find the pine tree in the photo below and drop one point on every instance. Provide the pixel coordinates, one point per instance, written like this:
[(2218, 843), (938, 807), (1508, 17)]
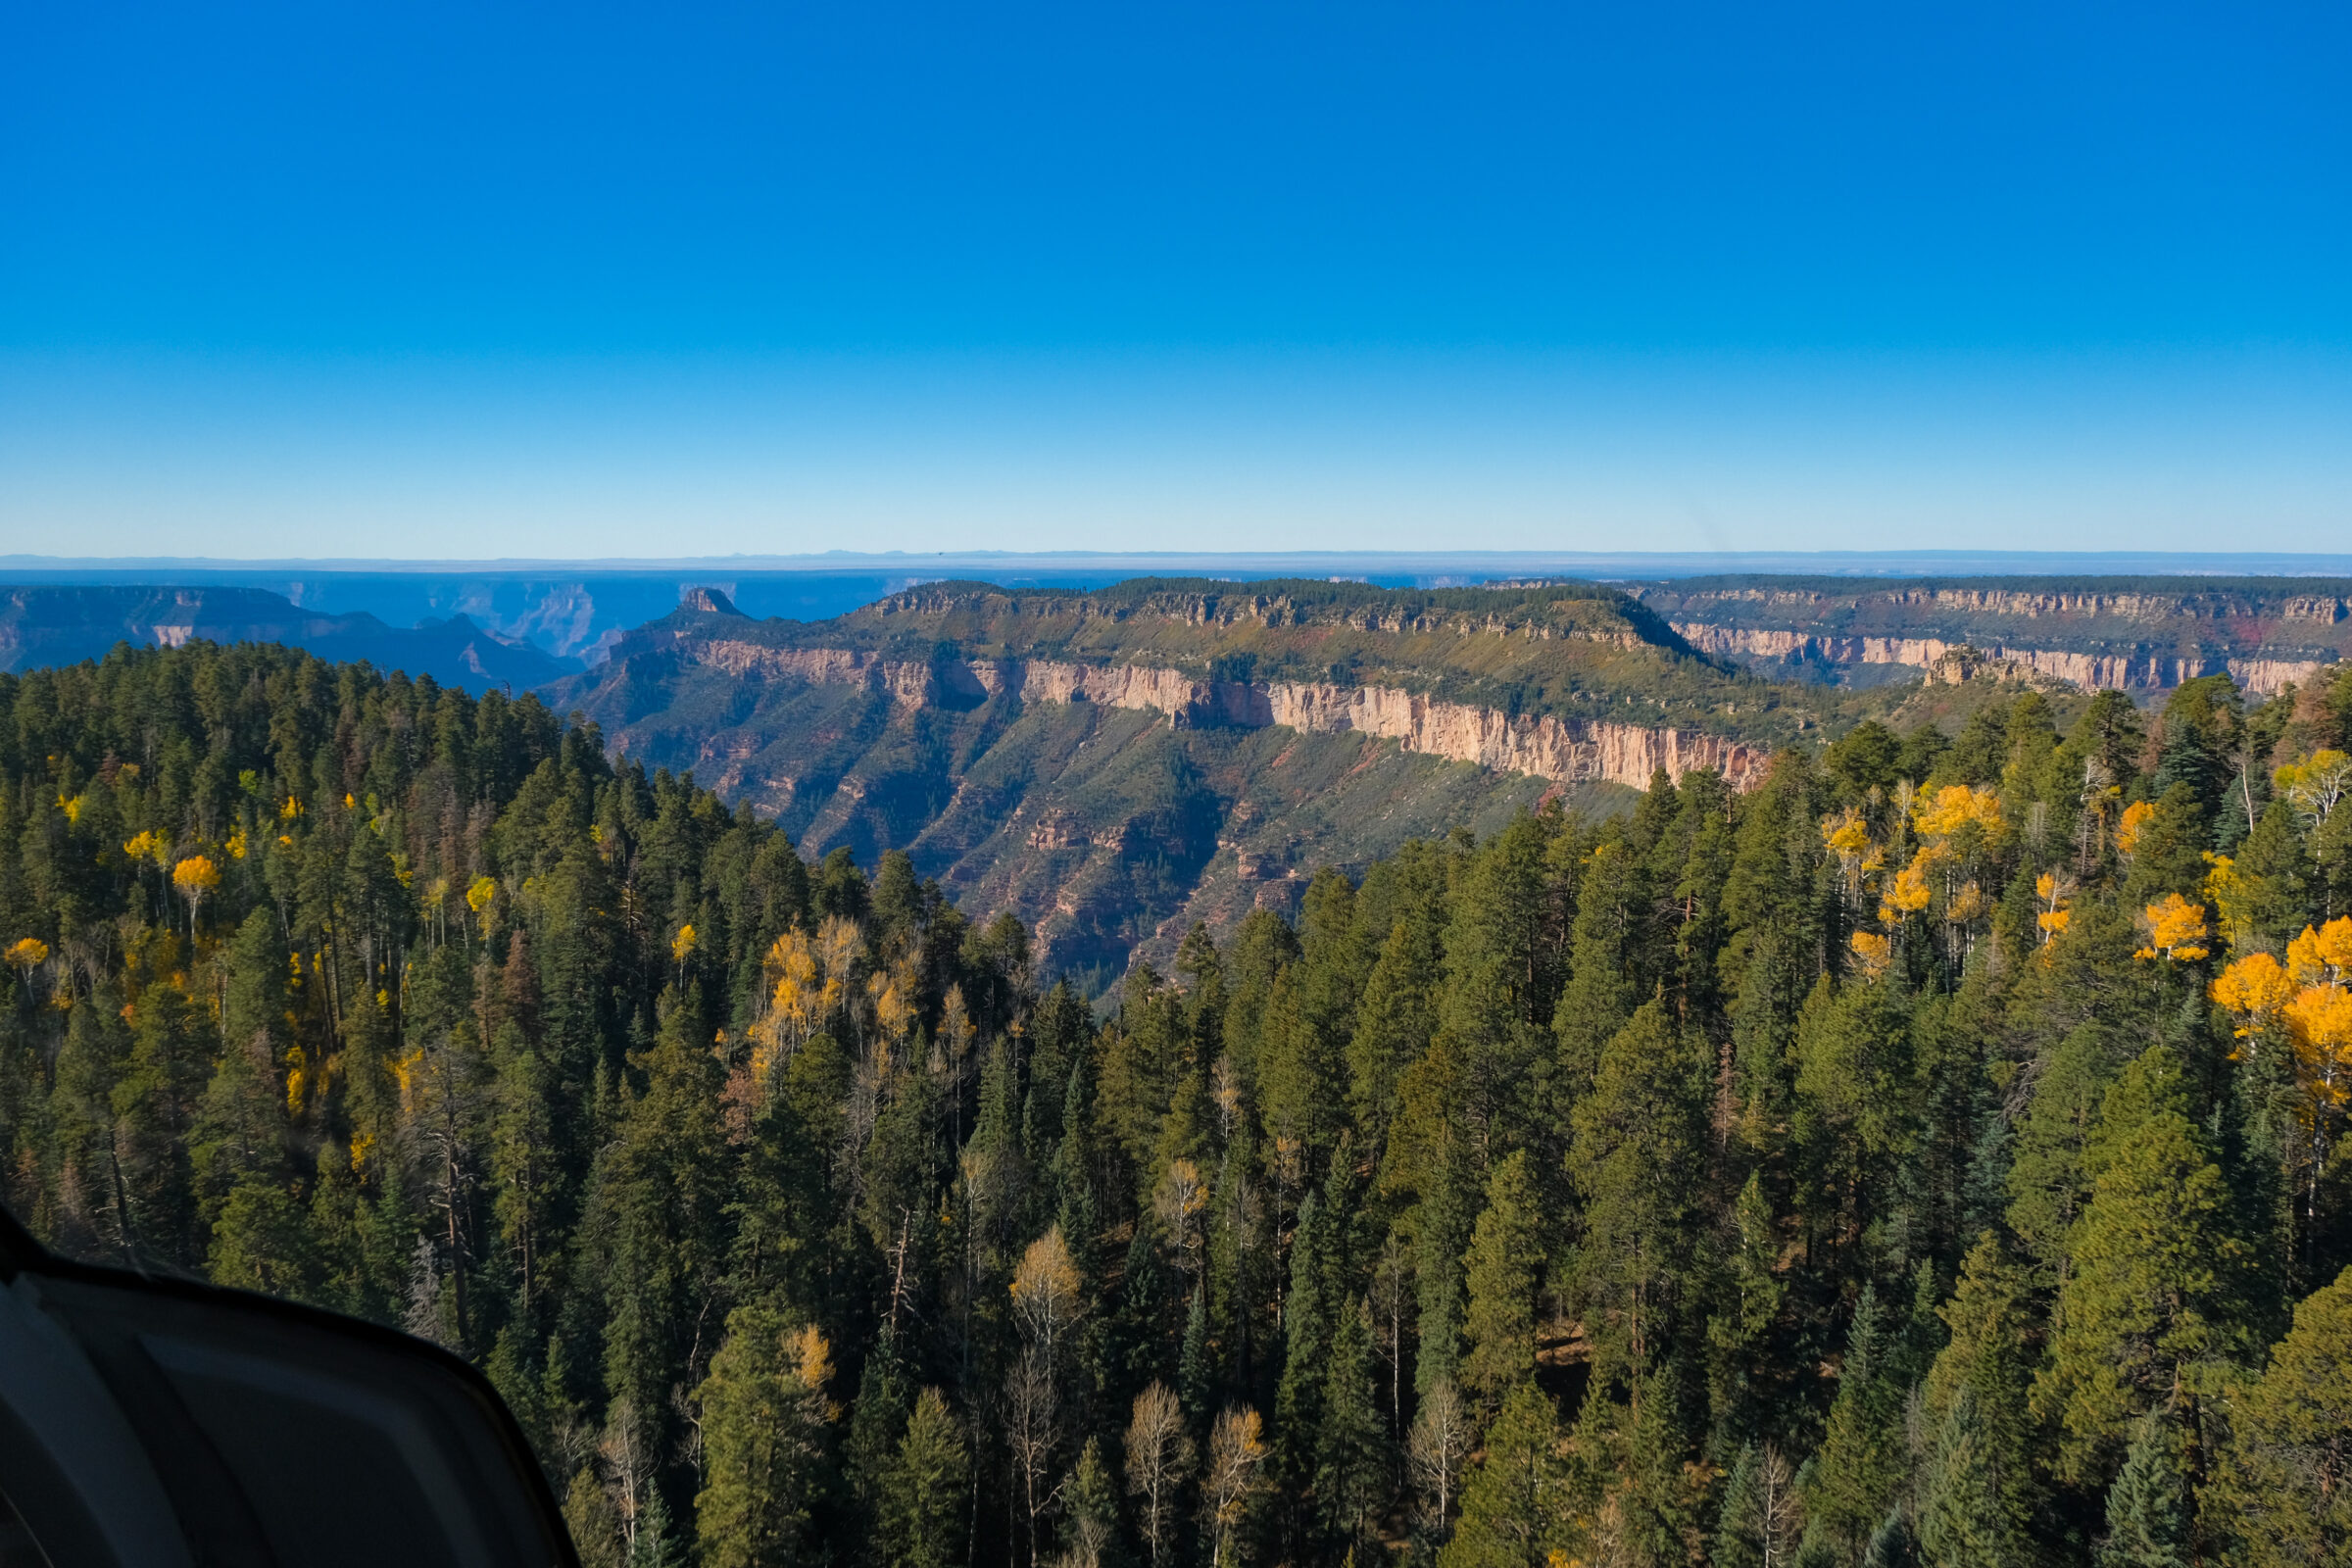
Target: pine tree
[(1863, 1458), (1989, 1361), (1640, 1141), (1965, 1518), (2147, 1506), (1500, 1273), (2154, 1270), (1351, 1452), (1090, 1529), (2281, 1491), (1512, 1512), (923, 1504), (764, 1418)]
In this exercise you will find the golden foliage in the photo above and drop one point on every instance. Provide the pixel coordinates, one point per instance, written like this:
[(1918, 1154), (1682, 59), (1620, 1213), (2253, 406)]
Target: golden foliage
[(28, 952), (2226, 892), (196, 875), (2176, 930), (1045, 1288), (481, 892), (1847, 835), (1956, 806), (149, 845), (1872, 951), (2134, 823), (72, 808), (236, 843), (811, 1357), (681, 945), (2316, 784), (2323, 954), (2053, 891), (1910, 891), (2254, 987)]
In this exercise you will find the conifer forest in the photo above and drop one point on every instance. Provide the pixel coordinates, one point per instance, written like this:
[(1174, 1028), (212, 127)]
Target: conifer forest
[(1934, 1154)]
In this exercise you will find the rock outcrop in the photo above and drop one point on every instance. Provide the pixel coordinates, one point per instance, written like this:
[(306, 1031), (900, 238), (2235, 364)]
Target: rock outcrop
[(1567, 750)]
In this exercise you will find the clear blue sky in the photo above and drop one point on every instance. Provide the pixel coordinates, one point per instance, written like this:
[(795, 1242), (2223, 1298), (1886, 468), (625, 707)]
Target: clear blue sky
[(374, 279)]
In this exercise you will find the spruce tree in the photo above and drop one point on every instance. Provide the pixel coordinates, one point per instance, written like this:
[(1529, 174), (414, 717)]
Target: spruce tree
[(1513, 1510), (1353, 1464), (2280, 1492), (764, 1420), (2147, 1506), (2154, 1271), (1501, 1272), (925, 1500)]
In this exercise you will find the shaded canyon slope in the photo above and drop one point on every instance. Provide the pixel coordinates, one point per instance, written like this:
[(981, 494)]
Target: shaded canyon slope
[(2143, 635), (1115, 766)]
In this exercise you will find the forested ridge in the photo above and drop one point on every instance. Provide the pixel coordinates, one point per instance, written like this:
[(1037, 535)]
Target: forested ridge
[(1932, 1154)]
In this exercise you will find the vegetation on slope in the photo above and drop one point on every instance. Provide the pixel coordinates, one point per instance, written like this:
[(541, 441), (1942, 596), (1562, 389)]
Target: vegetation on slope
[(1934, 1154)]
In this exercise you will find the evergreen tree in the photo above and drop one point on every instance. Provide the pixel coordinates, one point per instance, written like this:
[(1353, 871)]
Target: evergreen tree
[(1513, 1510), (1965, 1516), (1500, 1273), (924, 1502), (1352, 1465), (2154, 1270), (2279, 1492), (2147, 1506), (764, 1418)]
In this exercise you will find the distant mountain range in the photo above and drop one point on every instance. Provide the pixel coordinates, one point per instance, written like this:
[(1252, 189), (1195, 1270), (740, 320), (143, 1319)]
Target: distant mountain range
[(63, 625)]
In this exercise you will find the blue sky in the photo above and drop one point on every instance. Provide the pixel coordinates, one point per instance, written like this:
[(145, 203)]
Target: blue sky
[(370, 280)]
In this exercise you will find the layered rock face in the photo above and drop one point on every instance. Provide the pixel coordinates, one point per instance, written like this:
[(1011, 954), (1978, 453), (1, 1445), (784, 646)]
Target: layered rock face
[(2091, 671), (1566, 749)]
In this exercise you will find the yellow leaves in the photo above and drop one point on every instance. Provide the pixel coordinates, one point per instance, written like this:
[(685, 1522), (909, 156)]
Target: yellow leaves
[(2323, 953), (2176, 930), (148, 845), (2315, 785), (2309, 995), (350, 805), (1847, 835), (1045, 1288), (1956, 806), (2134, 823), (1873, 952), (405, 1073), (2052, 890), (681, 945), (2232, 898), (1910, 891), (296, 1079), (2255, 987), (291, 810), (72, 808), (481, 892), (1180, 1196), (811, 1360), (1967, 905), (28, 952), (236, 843), (196, 875), (362, 1147)]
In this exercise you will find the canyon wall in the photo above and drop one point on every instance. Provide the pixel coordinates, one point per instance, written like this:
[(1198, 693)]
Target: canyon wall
[(1567, 750), (2091, 671)]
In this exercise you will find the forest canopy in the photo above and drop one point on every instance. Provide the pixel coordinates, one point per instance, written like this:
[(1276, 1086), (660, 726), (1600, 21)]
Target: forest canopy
[(1932, 1154)]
